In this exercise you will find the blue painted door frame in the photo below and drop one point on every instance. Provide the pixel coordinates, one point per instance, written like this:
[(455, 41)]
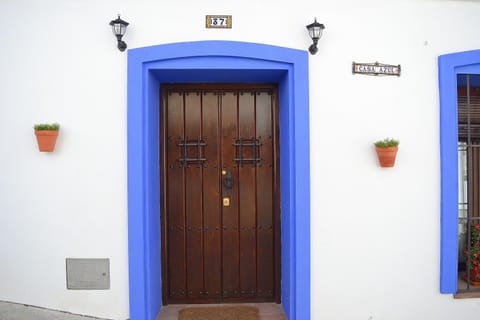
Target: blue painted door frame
[(216, 61), (449, 66)]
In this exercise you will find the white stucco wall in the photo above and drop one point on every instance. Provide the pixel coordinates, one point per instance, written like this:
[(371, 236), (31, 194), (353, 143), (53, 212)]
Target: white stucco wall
[(375, 232)]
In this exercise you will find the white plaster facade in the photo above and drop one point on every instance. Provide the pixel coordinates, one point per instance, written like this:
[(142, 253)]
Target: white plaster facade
[(375, 232)]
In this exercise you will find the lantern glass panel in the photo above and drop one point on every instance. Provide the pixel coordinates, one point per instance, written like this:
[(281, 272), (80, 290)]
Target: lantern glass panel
[(119, 29), (314, 32), (123, 28)]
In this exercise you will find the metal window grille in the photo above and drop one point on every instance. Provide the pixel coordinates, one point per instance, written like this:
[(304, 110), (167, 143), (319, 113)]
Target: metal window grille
[(192, 151), (243, 146), (468, 106)]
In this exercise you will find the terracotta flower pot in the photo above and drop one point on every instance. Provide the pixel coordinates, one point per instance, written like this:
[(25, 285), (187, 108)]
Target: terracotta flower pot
[(387, 156), (46, 139), (474, 278)]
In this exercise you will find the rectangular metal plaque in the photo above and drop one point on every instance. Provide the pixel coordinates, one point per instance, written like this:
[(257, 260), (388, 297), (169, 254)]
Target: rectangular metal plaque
[(88, 274), (226, 202), (376, 69), (224, 22)]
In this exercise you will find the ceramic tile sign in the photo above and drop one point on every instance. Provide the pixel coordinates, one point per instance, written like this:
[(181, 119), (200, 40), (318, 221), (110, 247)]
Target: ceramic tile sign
[(224, 22), (376, 69)]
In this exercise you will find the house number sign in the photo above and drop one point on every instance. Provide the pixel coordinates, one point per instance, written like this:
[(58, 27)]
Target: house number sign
[(376, 69), (219, 22)]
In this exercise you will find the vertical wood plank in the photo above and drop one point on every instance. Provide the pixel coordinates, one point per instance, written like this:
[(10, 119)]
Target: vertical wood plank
[(265, 221), (247, 196), (230, 252), (193, 199), (175, 199), (211, 199)]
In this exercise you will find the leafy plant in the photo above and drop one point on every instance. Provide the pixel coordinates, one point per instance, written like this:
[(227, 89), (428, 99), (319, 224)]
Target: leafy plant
[(387, 142), (473, 252), (47, 126)]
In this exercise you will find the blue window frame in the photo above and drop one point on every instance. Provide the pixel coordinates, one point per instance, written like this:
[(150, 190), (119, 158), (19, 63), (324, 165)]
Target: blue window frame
[(449, 66)]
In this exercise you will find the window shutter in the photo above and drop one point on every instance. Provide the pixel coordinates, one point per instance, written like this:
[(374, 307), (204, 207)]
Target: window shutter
[(469, 114)]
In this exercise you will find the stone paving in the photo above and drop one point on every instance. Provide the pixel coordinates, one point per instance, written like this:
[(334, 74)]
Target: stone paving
[(18, 311)]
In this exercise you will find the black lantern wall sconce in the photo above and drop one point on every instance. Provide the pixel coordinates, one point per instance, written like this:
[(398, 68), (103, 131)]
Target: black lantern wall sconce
[(119, 27), (315, 30)]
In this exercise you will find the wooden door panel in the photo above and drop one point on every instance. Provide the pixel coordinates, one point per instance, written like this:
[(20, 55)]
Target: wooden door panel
[(230, 240), (247, 194), (193, 198), (175, 201), (221, 243), (265, 193), (211, 199)]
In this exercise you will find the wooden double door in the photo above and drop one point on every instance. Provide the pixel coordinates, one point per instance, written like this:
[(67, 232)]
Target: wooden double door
[(220, 193)]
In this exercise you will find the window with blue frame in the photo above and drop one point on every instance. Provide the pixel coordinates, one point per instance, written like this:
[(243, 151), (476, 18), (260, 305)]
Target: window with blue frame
[(459, 83), (468, 126)]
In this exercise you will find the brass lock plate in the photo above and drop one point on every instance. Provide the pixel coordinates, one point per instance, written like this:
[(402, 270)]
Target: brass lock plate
[(226, 202)]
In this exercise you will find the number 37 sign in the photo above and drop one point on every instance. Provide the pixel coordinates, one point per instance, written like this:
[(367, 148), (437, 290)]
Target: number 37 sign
[(219, 22)]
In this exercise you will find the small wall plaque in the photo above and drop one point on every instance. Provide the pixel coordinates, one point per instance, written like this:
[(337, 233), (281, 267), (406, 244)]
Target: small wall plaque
[(376, 69), (224, 22)]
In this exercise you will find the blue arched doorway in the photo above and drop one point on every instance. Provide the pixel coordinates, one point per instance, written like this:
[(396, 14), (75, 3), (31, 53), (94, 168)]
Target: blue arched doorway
[(216, 61)]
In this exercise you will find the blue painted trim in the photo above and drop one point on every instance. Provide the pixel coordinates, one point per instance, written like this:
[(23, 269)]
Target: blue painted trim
[(449, 66), (216, 61)]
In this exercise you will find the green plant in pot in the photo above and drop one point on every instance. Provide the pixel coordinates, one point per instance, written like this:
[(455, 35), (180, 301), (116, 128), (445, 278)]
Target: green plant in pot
[(387, 151), (46, 136)]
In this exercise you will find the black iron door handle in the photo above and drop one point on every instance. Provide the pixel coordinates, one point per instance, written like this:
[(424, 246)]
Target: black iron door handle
[(227, 179)]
